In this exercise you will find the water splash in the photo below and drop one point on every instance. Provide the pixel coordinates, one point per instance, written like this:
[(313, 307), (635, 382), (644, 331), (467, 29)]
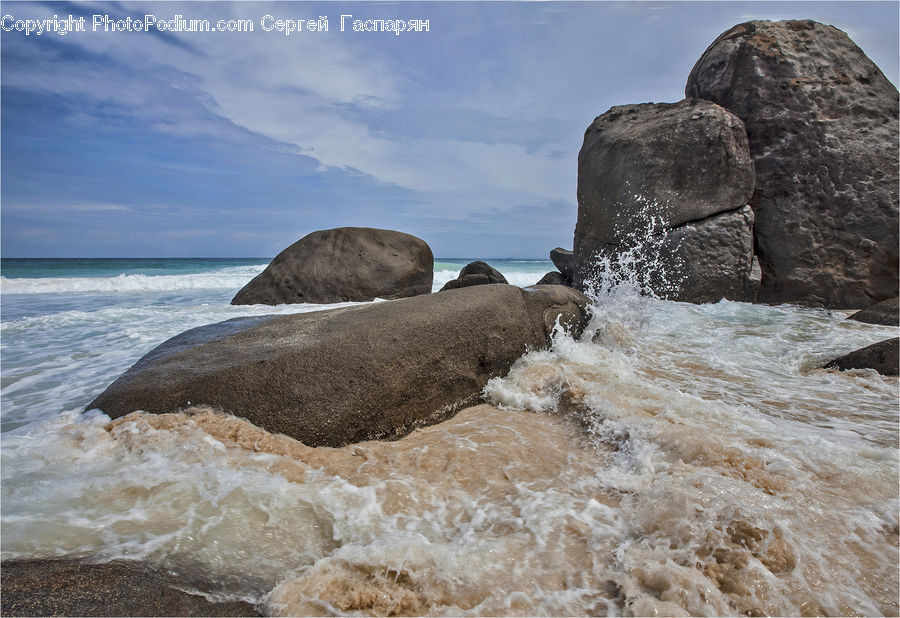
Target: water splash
[(691, 463), (749, 485), (645, 262)]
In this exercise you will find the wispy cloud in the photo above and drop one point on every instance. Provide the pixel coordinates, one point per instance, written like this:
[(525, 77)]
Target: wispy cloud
[(100, 208), (291, 90), (473, 126)]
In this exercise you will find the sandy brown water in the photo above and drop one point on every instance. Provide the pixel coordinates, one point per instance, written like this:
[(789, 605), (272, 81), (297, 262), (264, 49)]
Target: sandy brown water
[(511, 512), (678, 460), (472, 481)]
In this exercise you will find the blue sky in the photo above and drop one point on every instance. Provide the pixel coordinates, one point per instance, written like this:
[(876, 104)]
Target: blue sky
[(227, 144)]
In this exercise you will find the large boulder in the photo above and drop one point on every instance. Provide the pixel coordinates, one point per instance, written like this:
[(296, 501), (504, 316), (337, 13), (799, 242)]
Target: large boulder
[(343, 264), (886, 313), (119, 588), (344, 375), (883, 357), (646, 170), (475, 273), (822, 123)]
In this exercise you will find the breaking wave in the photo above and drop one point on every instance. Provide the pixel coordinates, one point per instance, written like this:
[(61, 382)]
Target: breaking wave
[(675, 459), (226, 278)]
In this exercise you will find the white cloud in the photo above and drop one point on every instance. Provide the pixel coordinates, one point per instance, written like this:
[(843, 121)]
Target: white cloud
[(99, 208), (61, 207), (293, 90)]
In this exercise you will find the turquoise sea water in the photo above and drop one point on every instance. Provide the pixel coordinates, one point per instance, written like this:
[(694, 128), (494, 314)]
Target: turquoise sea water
[(13, 268)]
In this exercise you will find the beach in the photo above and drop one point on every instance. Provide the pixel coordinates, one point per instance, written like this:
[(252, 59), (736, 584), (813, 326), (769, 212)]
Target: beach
[(675, 458)]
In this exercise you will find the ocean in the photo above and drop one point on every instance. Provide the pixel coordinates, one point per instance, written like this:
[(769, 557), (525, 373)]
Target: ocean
[(676, 459)]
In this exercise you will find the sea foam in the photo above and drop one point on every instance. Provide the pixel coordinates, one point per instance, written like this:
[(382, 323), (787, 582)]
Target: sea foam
[(675, 459), (235, 277)]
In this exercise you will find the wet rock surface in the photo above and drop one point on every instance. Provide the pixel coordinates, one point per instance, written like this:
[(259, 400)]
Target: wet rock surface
[(475, 273), (883, 357), (553, 278), (675, 168), (884, 313), (713, 259), (339, 376), (564, 260)]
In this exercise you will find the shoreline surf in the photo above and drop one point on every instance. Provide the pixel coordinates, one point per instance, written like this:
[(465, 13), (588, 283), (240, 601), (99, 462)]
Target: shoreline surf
[(677, 458)]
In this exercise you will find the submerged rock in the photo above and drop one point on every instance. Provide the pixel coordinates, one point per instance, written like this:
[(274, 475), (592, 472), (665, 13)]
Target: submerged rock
[(823, 126), (344, 375), (120, 588), (475, 273), (883, 357), (886, 313), (343, 264), (645, 170)]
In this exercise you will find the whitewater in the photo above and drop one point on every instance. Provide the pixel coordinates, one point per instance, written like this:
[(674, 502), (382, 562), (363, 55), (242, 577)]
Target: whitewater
[(675, 459)]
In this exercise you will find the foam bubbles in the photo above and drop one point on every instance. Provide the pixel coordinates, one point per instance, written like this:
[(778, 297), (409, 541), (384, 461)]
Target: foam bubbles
[(675, 459), (451, 519), (740, 474), (645, 261), (226, 278), (749, 482)]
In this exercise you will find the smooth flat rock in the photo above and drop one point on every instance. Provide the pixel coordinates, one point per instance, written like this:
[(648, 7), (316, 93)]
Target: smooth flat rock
[(823, 126), (883, 357), (343, 264), (334, 377), (886, 313), (120, 588)]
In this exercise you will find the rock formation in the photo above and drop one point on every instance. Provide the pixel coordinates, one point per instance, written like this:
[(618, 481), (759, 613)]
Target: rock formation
[(886, 313), (646, 170), (883, 357), (707, 254), (553, 278), (330, 378), (343, 264), (564, 260), (475, 273), (822, 123)]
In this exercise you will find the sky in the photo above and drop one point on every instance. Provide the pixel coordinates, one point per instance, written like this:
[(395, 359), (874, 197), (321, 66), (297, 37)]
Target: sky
[(236, 144)]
